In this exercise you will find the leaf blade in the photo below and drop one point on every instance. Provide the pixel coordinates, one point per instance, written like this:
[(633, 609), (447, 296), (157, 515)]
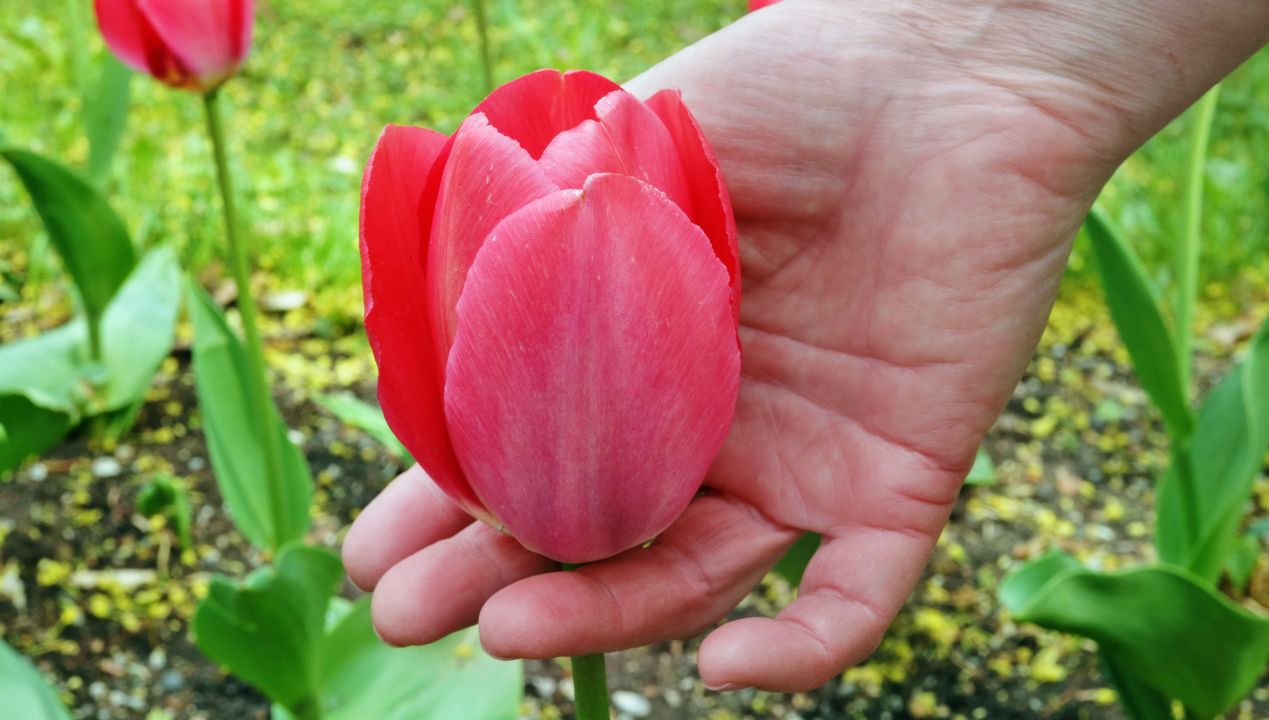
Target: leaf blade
[(1134, 307), (232, 429), (89, 236), (1159, 623)]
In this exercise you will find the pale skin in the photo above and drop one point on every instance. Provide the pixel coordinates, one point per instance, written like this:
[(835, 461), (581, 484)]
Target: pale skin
[(907, 178)]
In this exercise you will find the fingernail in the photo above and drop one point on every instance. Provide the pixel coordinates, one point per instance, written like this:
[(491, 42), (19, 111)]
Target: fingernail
[(726, 687)]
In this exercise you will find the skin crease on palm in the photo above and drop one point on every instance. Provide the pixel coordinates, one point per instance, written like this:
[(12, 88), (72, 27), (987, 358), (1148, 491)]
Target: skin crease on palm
[(907, 179)]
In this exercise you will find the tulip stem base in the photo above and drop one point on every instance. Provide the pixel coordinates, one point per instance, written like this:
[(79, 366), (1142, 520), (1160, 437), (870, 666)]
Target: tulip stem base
[(590, 681), (240, 264)]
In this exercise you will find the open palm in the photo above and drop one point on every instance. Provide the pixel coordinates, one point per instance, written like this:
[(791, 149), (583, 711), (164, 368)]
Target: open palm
[(904, 215)]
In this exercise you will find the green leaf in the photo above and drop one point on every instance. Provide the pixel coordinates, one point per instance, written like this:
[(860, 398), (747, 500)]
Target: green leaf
[(24, 693), (139, 326), (106, 116), (1134, 306), (452, 678), (793, 565), (87, 233), (1140, 700), (42, 392), (1226, 455), (365, 417), (1160, 625), (26, 429), (233, 430), (48, 383), (984, 470), (269, 630), (49, 369)]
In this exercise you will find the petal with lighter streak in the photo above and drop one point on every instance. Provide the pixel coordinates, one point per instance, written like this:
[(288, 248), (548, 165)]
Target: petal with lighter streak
[(594, 372), (393, 253), (626, 138), (711, 204), (486, 178)]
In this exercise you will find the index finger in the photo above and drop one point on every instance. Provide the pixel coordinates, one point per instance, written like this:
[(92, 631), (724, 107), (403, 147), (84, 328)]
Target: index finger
[(410, 514)]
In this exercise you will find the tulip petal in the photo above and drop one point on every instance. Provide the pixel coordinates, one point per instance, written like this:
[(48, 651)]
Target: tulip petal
[(535, 108), (131, 37), (711, 205), (486, 178), (628, 139), (594, 373), (393, 252), (210, 37)]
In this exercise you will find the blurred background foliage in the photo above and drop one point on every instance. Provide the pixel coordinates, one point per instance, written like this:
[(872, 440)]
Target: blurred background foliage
[(324, 78), (327, 75)]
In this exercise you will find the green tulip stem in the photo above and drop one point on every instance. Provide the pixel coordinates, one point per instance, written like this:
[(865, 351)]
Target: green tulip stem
[(482, 30), (94, 337), (257, 381), (590, 687), (590, 682)]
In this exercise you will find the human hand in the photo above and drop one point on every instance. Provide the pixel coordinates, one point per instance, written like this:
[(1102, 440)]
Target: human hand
[(906, 187)]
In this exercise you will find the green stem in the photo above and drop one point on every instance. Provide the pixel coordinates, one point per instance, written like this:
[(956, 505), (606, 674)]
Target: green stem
[(1187, 269), (94, 338), (590, 681), (482, 30), (257, 381), (590, 687)]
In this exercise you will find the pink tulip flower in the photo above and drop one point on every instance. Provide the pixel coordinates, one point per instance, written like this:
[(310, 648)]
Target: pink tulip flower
[(187, 44), (552, 298)]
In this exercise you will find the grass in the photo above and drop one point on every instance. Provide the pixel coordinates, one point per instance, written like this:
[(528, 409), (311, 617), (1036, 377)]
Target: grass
[(323, 79), (326, 75)]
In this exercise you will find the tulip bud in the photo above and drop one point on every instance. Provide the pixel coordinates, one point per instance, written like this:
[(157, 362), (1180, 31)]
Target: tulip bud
[(187, 44), (552, 298)]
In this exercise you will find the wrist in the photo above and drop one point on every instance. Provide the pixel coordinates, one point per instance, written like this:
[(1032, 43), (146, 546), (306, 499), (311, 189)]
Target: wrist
[(1116, 71)]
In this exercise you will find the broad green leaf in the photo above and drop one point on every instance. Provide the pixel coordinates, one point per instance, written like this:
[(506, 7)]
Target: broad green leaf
[(26, 429), (361, 677), (49, 369), (42, 391), (793, 565), (984, 470), (365, 417), (269, 630), (233, 430), (48, 383), (105, 117), (1159, 624), (1140, 700), (1134, 307), (24, 693), (139, 326), (87, 233), (1226, 455)]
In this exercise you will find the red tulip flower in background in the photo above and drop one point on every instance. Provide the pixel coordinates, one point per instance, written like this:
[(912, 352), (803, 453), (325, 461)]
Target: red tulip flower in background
[(187, 44), (759, 4), (552, 298)]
